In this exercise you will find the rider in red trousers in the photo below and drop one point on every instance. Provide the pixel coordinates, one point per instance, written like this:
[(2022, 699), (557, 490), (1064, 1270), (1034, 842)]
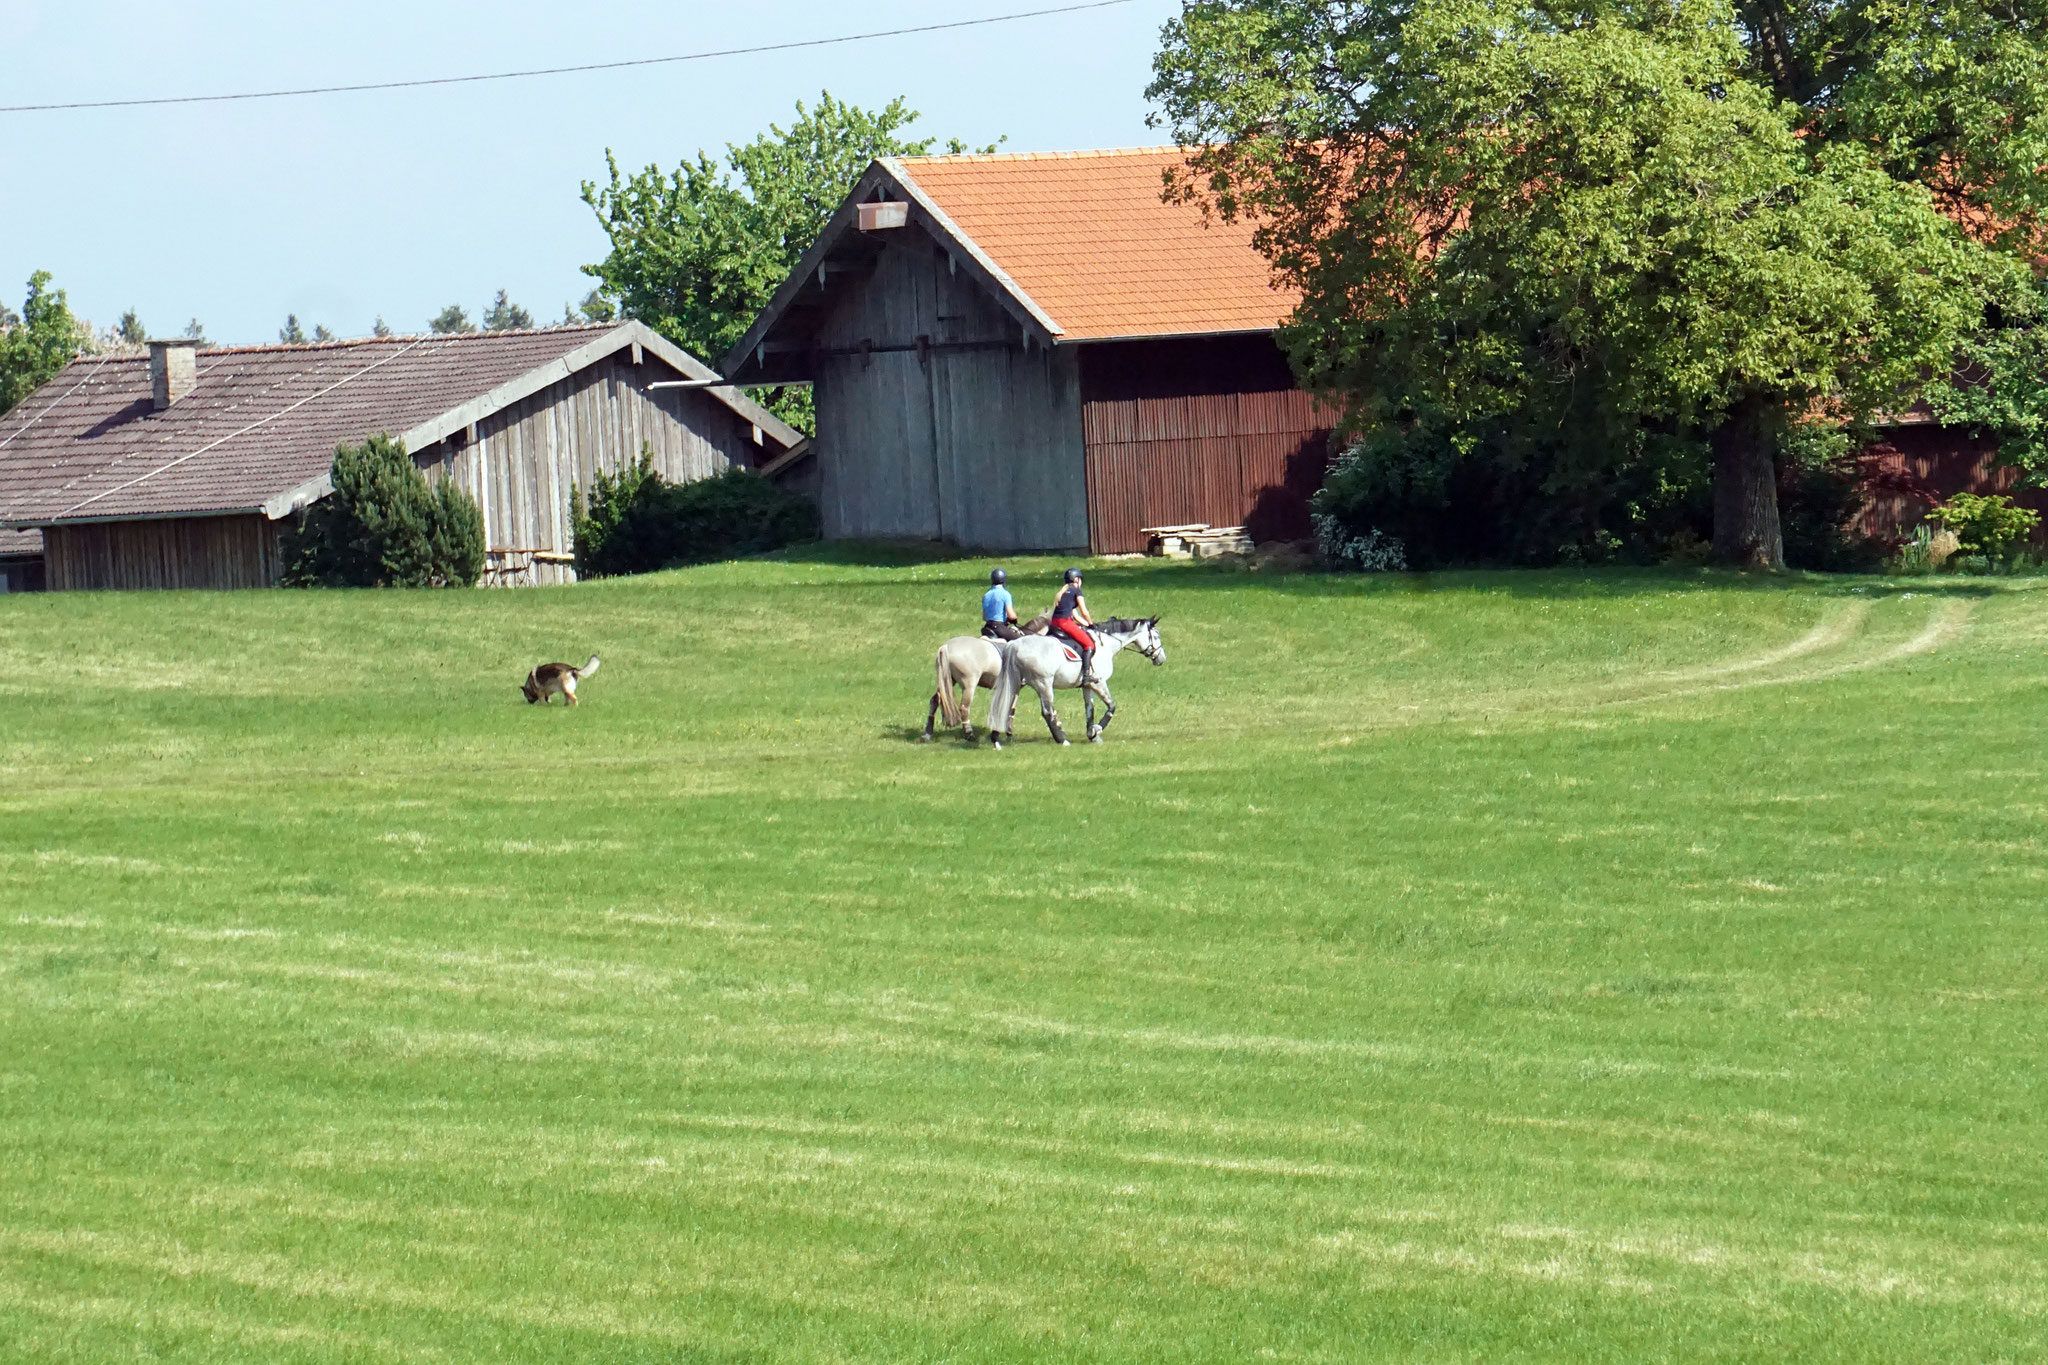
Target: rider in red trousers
[(1069, 616)]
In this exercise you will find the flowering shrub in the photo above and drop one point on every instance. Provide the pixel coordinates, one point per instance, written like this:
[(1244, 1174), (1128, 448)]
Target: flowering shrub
[(1992, 527), (1372, 552)]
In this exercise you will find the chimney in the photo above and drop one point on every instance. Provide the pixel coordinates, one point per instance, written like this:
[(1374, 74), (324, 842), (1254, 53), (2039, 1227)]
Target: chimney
[(173, 373)]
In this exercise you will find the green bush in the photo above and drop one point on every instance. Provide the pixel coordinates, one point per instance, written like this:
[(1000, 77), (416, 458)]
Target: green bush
[(1452, 498), (636, 522), (1992, 528), (385, 526)]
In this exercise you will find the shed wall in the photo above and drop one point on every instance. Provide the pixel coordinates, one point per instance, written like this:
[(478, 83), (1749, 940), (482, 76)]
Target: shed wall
[(1914, 467), (970, 437), (527, 462), (1243, 448), (172, 552)]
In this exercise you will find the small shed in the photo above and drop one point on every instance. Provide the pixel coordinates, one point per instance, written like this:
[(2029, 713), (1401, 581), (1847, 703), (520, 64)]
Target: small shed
[(1037, 352), (177, 469)]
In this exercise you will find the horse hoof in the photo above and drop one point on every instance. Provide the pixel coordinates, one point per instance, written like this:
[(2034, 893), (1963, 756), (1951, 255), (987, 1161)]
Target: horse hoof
[(924, 739), (1095, 739), (1066, 743)]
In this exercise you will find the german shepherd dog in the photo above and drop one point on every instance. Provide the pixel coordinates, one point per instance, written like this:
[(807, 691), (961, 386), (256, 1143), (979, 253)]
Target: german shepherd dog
[(549, 679)]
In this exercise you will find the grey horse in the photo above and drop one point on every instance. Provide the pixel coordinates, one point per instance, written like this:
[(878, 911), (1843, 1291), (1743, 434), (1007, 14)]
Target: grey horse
[(1043, 664)]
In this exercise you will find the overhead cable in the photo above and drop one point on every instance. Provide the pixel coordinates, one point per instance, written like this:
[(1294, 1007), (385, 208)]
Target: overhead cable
[(569, 70)]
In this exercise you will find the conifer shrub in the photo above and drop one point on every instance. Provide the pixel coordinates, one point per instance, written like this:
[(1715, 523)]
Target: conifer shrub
[(386, 526), (635, 521)]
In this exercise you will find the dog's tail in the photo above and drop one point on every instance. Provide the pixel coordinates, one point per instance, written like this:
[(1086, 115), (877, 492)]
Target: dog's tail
[(590, 667), (949, 704)]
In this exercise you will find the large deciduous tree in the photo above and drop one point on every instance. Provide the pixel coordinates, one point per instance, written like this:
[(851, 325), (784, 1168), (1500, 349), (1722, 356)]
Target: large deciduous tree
[(1689, 215), (697, 251)]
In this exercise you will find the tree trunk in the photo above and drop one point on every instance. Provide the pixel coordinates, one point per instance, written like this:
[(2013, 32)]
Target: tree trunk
[(1746, 530)]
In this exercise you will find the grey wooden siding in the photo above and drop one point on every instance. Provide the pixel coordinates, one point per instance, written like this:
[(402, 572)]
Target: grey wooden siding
[(970, 438), (527, 462), (170, 552)]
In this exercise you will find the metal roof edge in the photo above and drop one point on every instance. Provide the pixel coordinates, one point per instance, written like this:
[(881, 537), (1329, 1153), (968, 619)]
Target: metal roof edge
[(45, 522), (781, 432), (1172, 336), (522, 386), (607, 343)]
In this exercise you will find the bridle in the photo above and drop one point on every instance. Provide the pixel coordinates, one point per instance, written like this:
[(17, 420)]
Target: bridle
[(1137, 640)]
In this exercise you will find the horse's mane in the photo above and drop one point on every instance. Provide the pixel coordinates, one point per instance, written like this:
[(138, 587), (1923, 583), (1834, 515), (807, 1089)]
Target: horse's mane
[(1121, 625)]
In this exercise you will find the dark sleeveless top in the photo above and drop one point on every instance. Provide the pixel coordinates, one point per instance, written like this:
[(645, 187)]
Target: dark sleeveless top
[(1064, 611)]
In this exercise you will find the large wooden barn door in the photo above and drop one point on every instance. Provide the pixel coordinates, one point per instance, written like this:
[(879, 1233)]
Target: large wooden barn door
[(1232, 459)]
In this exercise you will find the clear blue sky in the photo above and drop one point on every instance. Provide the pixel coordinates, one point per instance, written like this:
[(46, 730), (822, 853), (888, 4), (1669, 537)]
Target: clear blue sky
[(342, 207)]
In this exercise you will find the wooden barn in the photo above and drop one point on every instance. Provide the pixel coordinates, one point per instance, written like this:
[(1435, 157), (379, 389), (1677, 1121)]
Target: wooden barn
[(1035, 352), (177, 469)]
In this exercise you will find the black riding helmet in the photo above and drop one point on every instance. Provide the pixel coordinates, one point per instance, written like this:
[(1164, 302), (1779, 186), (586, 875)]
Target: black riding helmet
[(998, 576), (1071, 576)]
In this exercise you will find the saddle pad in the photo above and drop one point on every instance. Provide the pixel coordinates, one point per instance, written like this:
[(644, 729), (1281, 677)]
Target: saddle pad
[(1072, 657)]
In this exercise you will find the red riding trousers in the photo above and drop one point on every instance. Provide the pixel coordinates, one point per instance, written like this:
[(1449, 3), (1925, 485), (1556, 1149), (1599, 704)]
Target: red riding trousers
[(1069, 627)]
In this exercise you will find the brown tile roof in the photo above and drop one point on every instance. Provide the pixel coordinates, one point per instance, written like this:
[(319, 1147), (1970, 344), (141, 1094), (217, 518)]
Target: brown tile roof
[(20, 543), (262, 421), (1087, 238)]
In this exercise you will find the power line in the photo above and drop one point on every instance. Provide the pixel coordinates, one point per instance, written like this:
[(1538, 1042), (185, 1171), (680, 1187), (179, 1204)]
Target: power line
[(569, 70)]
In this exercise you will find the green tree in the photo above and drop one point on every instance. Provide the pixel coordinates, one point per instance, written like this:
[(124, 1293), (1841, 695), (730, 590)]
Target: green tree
[(697, 251), (321, 332), (291, 333), (386, 526), (594, 308), (1604, 217), (196, 330), (505, 316), (453, 319), (130, 329), (41, 343), (380, 328)]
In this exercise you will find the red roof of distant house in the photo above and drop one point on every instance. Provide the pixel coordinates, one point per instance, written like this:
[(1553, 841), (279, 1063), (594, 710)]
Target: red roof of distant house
[(1087, 237)]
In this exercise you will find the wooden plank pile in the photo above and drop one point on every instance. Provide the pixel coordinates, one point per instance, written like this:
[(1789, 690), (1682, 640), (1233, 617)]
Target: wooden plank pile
[(1197, 540)]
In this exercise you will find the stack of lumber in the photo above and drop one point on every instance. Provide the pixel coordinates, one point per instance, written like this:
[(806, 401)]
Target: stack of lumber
[(1198, 540)]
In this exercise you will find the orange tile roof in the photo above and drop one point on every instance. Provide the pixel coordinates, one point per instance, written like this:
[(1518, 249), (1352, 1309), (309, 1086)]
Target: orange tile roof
[(1085, 235)]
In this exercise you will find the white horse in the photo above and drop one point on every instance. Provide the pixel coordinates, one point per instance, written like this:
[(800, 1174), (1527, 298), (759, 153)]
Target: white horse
[(1042, 663), (964, 662)]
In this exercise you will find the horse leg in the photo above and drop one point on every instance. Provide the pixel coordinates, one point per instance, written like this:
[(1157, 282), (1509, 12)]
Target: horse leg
[(930, 712), (967, 712), (1108, 715), (1052, 717), (1088, 709)]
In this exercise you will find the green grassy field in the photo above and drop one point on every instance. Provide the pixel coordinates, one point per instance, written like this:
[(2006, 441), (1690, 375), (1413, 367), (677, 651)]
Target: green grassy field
[(1617, 967)]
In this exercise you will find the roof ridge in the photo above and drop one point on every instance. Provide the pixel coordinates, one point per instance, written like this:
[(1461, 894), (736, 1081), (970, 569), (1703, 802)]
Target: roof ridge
[(1082, 154), (337, 343)]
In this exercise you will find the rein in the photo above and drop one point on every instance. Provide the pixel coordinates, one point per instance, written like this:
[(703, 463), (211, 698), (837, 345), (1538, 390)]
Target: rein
[(1131, 641)]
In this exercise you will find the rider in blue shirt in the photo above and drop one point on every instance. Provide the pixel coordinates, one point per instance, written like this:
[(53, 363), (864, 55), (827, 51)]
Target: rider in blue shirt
[(998, 612)]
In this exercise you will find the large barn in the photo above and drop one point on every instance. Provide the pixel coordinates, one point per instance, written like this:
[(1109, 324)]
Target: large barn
[(1036, 352), (178, 468)]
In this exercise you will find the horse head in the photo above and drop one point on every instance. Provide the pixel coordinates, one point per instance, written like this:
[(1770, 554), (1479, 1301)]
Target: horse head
[(1143, 636)]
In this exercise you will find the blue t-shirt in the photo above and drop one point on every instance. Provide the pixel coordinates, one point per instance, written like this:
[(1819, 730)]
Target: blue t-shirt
[(995, 604)]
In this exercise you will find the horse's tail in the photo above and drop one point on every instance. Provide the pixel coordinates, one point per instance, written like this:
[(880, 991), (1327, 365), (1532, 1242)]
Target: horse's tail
[(949, 701), (1003, 695)]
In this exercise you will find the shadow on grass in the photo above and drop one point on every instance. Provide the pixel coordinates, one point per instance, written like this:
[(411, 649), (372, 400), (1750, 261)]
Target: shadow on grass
[(1029, 570), (869, 554), (1547, 584)]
